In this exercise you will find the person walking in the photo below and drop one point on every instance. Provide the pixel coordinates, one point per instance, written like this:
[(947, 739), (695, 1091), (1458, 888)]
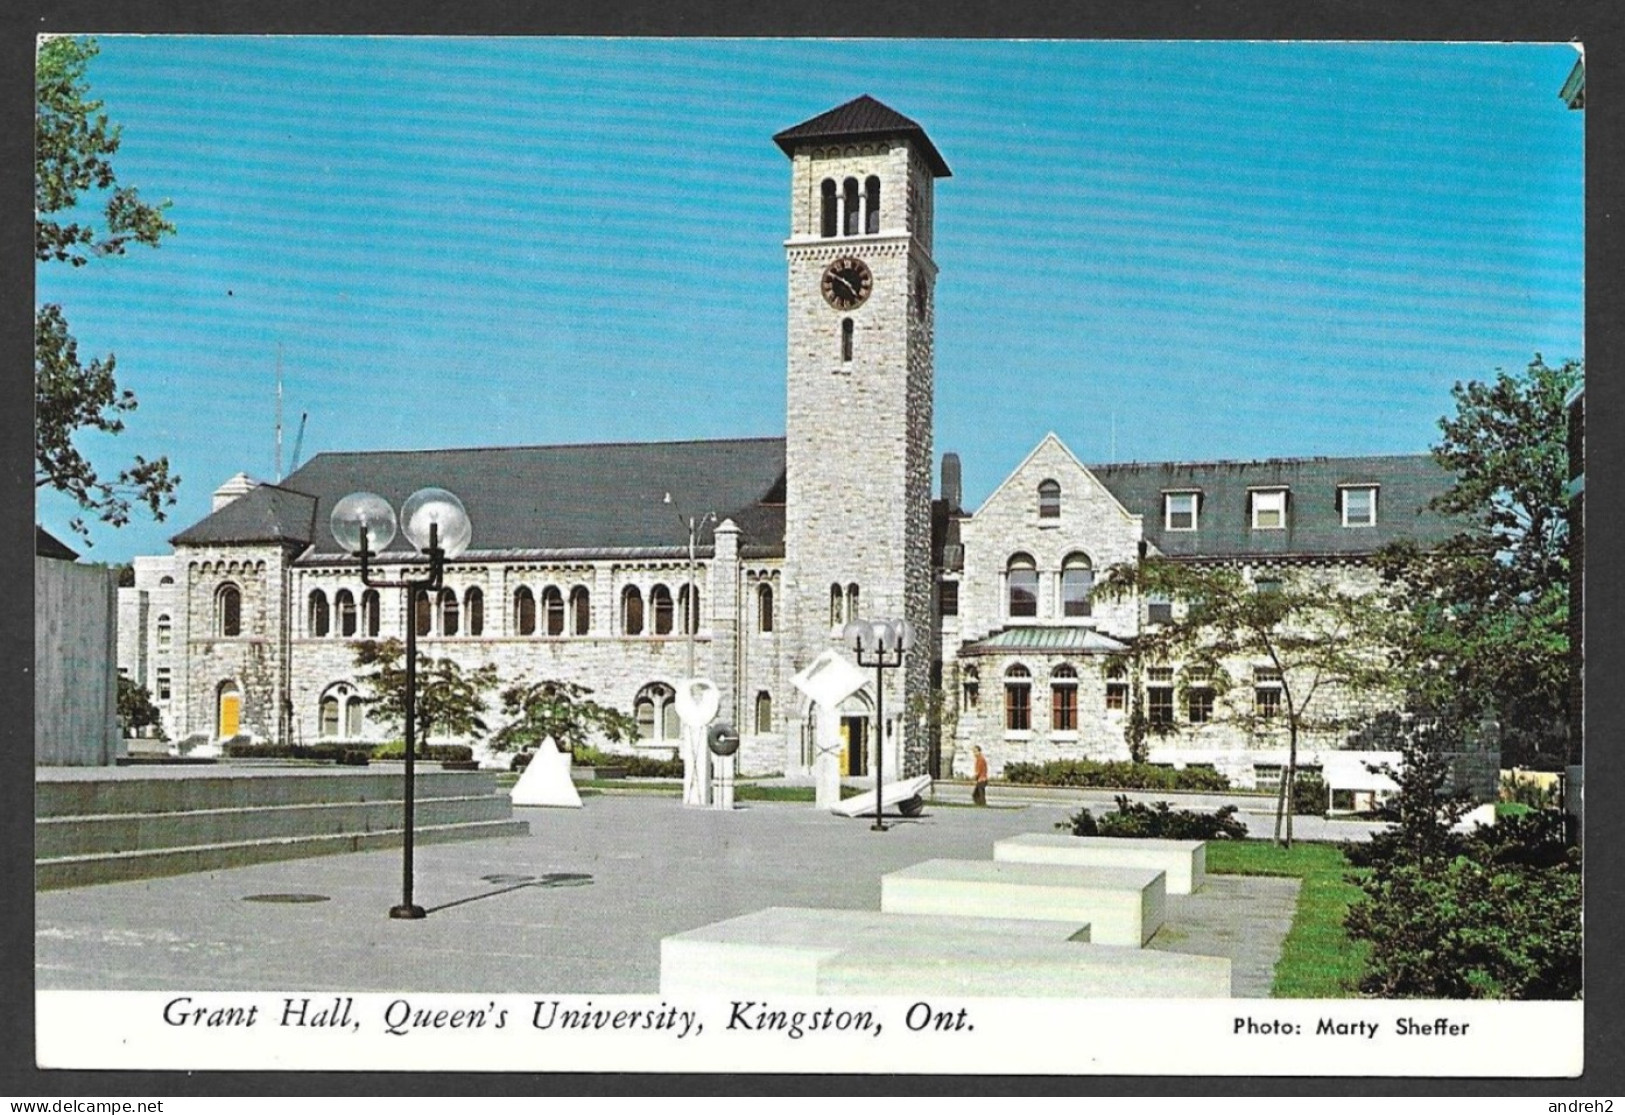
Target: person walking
[(978, 796)]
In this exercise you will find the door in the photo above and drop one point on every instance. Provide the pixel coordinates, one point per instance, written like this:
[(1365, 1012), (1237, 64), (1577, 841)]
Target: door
[(231, 708), (855, 733)]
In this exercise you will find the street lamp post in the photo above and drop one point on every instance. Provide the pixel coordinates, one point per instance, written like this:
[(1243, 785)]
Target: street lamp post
[(691, 608), (881, 644), (434, 521)]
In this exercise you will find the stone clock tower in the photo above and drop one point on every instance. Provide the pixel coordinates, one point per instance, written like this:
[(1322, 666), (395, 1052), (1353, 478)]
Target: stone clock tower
[(858, 413)]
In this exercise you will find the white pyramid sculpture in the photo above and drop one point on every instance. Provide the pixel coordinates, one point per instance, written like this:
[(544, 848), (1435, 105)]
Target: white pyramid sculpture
[(546, 781)]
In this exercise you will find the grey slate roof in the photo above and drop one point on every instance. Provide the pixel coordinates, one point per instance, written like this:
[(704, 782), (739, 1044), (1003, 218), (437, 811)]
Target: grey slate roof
[(863, 118), (1405, 485), (542, 501), (1044, 640)]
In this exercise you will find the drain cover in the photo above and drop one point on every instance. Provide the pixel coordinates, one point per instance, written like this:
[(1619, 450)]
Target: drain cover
[(506, 880), (285, 898)]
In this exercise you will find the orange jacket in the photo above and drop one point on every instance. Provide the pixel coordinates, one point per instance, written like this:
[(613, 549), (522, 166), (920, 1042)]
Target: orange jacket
[(981, 768)]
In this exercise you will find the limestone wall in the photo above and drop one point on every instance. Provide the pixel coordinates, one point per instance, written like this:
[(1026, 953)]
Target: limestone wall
[(75, 672)]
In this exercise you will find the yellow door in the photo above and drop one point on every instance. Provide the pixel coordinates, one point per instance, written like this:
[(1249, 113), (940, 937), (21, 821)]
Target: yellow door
[(846, 744), (231, 706)]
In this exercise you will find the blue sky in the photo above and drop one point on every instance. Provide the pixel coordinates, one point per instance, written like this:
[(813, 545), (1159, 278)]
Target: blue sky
[(1159, 251)]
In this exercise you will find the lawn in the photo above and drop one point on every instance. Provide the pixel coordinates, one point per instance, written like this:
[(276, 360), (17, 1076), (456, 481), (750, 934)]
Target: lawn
[(1318, 961)]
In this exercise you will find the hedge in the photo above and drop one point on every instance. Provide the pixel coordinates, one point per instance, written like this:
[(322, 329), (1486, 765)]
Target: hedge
[(1114, 775)]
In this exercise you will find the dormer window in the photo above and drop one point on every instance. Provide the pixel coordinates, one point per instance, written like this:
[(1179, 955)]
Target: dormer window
[(1359, 505), (1179, 510), (1269, 509)]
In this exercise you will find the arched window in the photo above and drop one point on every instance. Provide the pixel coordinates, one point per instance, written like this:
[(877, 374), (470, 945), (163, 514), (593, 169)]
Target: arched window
[(422, 612), (849, 199), (318, 624), (329, 726), (1018, 699), (851, 603), (580, 610), (1077, 585), (353, 718), (764, 608), (166, 579), (827, 225), (166, 633), (369, 613), (660, 605), (344, 606), (656, 714), (524, 610), (871, 205), (631, 611), (846, 340), (474, 608), (688, 606), (837, 606), (1063, 689), (450, 614), (1021, 594), (1049, 499), (228, 611), (764, 712), (553, 611)]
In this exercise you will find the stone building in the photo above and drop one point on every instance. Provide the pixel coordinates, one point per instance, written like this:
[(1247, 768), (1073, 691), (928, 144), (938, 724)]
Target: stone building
[(581, 566)]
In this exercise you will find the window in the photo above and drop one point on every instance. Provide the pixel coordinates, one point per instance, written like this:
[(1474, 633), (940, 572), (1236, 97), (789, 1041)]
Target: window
[(1021, 576), (1267, 692), (1159, 694), (319, 619), (524, 610), (228, 611), (1199, 696), (764, 712), (580, 610), (166, 579), (1179, 510), (166, 633), (474, 607), (829, 214), (450, 614), (553, 611), (423, 612), (1267, 776), (837, 606), (871, 205), (656, 713), (948, 598), (846, 340), (1159, 609), (352, 718), (971, 685), (688, 609), (631, 611), (344, 608), (1269, 510), (330, 718), (1049, 500), (851, 603), (1116, 690), (1063, 687), (369, 613), (849, 196), (163, 683), (660, 604), (1267, 582), (1359, 507), (1018, 699), (764, 609), (1077, 583)]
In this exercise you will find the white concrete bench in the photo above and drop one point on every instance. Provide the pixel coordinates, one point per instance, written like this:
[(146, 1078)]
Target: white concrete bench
[(785, 950), (1122, 905), (1183, 861)]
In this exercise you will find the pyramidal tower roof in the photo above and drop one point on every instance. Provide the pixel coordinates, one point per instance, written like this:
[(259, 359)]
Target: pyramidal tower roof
[(863, 118)]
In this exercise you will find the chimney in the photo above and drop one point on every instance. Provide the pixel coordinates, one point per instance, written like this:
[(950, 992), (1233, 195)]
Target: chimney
[(950, 482)]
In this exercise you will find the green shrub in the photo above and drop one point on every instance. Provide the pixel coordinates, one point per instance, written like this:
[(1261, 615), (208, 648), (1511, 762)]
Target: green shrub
[(635, 766), (438, 752), (1160, 820), (1116, 775), (1309, 794)]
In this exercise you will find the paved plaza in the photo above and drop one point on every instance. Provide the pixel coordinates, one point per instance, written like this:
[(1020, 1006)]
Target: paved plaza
[(580, 905)]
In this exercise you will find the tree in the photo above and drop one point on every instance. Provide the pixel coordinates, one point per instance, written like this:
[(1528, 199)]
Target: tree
[(1314, 636), (81, 212), (562, 711), (136, 710), (1485, 632), (448, 697)]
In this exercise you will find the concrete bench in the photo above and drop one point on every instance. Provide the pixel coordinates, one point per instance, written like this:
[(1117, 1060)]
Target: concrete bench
[(1122, 905), (784, 950), (1184, 862)]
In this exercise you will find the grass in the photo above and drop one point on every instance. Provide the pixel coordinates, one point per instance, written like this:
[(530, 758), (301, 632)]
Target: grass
[(1318, 960)]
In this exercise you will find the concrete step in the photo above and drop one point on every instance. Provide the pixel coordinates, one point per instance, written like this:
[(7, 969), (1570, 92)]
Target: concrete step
[(136, 790), (111, 833), (1184, 862), (84, 870)]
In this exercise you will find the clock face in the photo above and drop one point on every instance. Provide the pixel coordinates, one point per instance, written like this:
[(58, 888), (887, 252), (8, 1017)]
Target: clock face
[(847, 282)]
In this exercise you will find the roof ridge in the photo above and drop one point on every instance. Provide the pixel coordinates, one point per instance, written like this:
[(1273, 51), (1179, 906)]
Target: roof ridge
[(758, 439), (1242, 461)]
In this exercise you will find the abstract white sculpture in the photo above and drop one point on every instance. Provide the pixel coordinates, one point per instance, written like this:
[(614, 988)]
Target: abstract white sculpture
[(697, 702), (546, 781), (828, 680)]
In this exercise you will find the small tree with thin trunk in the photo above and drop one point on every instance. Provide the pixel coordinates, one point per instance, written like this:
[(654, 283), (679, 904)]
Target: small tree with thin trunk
[(1315, 637), (449, 698)]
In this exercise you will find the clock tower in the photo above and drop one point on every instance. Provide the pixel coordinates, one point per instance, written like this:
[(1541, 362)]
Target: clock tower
[(858, 414)]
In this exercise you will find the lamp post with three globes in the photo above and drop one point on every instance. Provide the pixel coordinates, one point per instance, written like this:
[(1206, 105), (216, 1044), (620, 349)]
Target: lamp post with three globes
[(881, 644)]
